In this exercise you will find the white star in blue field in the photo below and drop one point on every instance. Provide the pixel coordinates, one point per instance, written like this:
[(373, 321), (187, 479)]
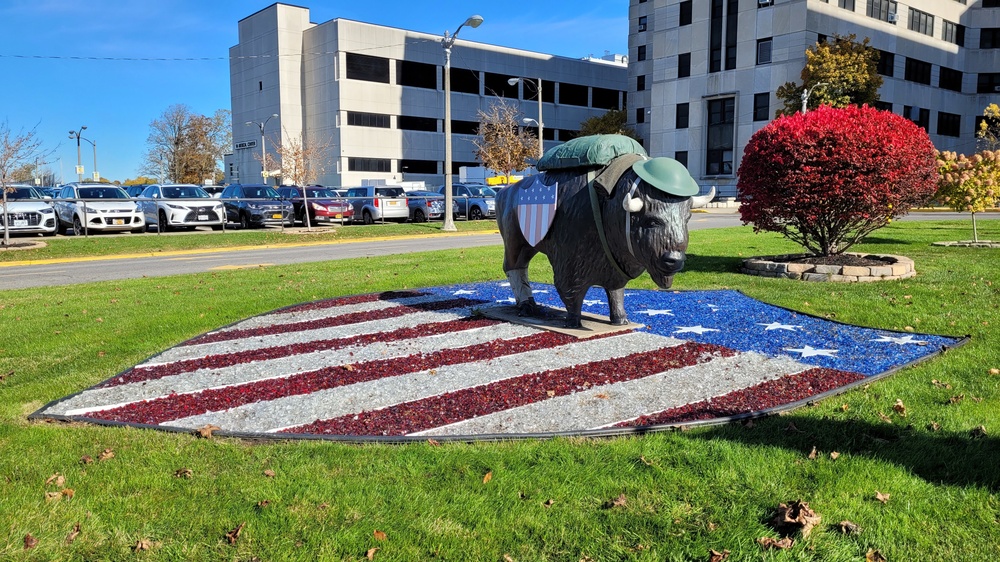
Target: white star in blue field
[(592, 303), (694, 330), (779, 326), (663, 312), (463, 292), (809, 351), (900, 340), (508, 299), (542, 291)]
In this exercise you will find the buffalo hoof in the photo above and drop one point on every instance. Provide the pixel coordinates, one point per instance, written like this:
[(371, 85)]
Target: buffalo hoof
[(620, 321), (572, 322), (529, 308)]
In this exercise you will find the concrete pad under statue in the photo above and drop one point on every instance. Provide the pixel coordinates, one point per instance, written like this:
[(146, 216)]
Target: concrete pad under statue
[(554, 320)]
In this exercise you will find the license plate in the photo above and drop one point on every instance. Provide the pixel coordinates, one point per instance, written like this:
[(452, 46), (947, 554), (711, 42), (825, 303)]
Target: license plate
[(203, 217), (393, 203), (276, 216), (117, 221), (24, 223), (340, 215)]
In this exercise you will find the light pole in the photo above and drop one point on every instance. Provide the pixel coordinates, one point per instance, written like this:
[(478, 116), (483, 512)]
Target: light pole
[(79, 165), (447, 41), (263, 146), (538, 90), (808, 92), (97, 175)]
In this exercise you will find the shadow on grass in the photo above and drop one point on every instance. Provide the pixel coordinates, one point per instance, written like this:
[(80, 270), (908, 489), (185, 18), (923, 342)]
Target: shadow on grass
[(943, 457), (875, 241), (712, 264)]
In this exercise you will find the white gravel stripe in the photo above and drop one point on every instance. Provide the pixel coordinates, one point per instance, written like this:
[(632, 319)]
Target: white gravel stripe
[(203, 379), (183, 352), (275, 415), (278, 318), (605, 405)]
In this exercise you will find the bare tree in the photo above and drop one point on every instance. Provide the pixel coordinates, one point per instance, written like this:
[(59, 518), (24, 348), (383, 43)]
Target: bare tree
[(16, 150), (185, 147), (501, 143), (301, 163)]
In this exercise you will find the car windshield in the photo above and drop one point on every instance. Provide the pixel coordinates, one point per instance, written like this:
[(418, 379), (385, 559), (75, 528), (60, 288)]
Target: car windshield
[(184, 192), (389, 191), (102, 193), (260, 192), (23, 193), (320, 192), (481, 191)]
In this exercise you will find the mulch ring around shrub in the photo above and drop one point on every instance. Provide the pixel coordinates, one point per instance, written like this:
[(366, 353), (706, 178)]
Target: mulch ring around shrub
[(22, 245), (845, 267)]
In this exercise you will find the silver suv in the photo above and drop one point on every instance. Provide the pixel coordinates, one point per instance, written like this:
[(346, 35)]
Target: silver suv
[(378, 203), (99, 207), (475, 201)]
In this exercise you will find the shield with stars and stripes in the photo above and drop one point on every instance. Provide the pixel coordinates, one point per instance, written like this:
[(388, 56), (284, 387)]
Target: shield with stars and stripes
[(536, 207), (426, 363)]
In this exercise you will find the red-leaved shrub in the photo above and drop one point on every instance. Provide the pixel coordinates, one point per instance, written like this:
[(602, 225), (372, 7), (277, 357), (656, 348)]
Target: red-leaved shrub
[(828, 178)]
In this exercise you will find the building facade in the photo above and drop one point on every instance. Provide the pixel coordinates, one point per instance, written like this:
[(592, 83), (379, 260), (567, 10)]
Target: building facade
[(374, 95), (703, 73)]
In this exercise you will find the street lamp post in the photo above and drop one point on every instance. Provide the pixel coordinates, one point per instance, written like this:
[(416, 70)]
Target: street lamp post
[(79, 165), (808, 92), (97, 175), (263, 146), (447, 41), (538, 90)]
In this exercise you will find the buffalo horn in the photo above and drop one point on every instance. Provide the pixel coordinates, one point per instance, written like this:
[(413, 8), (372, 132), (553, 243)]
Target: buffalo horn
[(702, 200)]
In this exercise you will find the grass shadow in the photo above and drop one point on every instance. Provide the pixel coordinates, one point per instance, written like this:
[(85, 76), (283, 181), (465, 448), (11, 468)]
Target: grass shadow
[(712, 264)]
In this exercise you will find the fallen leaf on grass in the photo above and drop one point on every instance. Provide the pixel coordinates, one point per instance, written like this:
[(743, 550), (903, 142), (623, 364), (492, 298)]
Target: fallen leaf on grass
[(263, 503), (49, 496), (813, 454), (433, 443), (899, 408), (142, 544), (620, 501), (56, 478), (507, 558), (645, 462), (73, 534), (834, 455), (956, 399), (234, 535), (934, 426), (183, 473), (548, 503), (30, 542), (68, 492), (844, 407), (791, 427), (848, 527), (940, 384), (794, 516), (884, 418), (379, 535), (978, 432), (487, 477), (4, 376), (874, 556), (884, 498), (371, 553), (716, 556), (105, 455), (782, 544), (270, 473), (992, 372), (86, 459), (205, 431)]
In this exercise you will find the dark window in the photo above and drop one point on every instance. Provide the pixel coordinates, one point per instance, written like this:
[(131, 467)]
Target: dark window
[(498, 85), (732, 19), (921, 22), (682, 157), (715, 37), (640, 53), (884, 105), (573, 94), (683, 111), (456, 167), (918, 71), (920, 116), (684, 65), (685, 13), (640, 115), (418, 166), (949, 124), (416, 74), (642, 23), (989, 38), (764, 3), (369, 165), (411, 123), (989, 83), (764, 51), (950, 79), (949, 32), (991, 123), (368, 68), (761, 106), (884, 10), (991, 3), (464, 81), (604, 98), (359, 119), (719, 144), (821, 38), (464, 127), (846, 4), (886, 63), (640, 83), (568, 134)]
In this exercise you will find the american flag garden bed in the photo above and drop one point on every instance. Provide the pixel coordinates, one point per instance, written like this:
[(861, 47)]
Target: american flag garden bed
[(422, 364)]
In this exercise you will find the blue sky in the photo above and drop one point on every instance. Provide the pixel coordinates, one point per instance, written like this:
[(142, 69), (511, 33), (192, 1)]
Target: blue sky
[(52, 83)]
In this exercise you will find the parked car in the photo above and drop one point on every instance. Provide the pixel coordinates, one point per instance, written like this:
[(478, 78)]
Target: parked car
[(324, 206), (28, 212), (135, 190), (100, 207), (376, 203), (214, 190), (426, 205), (255, 205), (475, 201), (171, 206)]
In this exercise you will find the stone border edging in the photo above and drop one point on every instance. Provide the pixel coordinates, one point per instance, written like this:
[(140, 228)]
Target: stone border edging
[(969, 244), (896, 267)]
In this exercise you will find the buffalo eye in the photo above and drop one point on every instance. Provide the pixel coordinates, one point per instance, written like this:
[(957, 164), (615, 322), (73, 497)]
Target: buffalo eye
[(652, 222)]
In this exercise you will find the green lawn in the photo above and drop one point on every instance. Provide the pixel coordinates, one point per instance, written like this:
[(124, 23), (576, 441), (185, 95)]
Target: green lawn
[(685, 492)]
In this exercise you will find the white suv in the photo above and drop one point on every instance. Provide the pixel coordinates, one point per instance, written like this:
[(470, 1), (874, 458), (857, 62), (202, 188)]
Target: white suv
[(376, 203), (28, 212), (100, 207)]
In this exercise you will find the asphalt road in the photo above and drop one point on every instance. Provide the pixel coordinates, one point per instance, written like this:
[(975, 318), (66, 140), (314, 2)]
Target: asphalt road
[(67, 272)]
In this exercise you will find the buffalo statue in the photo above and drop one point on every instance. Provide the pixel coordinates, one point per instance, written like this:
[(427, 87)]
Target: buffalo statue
[(601, 231)]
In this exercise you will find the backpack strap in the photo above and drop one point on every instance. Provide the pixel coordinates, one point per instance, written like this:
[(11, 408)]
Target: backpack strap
[(595, 207)]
